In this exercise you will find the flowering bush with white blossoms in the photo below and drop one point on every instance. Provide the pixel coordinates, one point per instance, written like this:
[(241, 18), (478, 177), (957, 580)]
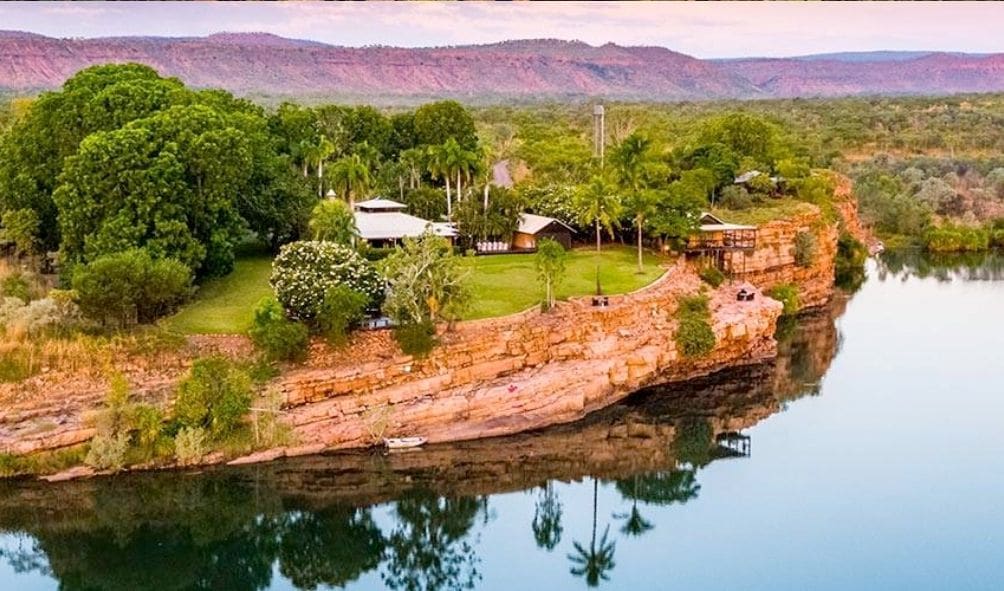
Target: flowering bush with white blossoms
[(304, 272)]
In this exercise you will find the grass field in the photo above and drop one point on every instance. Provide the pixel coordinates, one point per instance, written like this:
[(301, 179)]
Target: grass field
[(502, 284), (226, 305)]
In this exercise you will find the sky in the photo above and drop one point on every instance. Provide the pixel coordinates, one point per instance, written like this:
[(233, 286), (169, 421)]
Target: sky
[(706, 30)]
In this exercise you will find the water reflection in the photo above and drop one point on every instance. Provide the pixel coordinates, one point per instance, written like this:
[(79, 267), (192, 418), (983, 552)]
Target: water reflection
[(945, 267), (407, 521)]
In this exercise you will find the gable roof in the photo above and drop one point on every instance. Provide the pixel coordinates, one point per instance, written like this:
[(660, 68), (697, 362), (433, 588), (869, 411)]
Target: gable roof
[(381, 204), (394, 225), (709, 222), (530, 223)]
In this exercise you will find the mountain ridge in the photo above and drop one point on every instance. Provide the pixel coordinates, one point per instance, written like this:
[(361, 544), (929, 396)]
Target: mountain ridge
[(264, 63)]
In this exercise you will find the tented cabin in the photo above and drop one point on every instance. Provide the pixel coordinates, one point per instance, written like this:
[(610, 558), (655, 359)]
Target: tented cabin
[(726, 245), (384, 223), (534, 228)]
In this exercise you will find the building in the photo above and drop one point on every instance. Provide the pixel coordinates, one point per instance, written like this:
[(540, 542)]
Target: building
[(725, 244), (534, 228), (384, 223)]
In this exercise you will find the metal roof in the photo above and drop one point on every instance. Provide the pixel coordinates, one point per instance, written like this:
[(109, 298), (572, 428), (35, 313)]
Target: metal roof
[(394, 225), (381, 203)]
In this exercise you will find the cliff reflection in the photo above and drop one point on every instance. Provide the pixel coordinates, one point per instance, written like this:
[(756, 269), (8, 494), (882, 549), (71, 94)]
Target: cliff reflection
[(409, 520)]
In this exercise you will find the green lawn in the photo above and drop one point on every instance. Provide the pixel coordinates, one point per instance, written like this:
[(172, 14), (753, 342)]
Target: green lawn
[(226, 305), (504, 284)]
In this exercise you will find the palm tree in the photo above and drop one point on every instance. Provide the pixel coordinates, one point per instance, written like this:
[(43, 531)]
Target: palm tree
[(438, 166), (598, 205), (351, 178), (594, 563), (320, 153), (634, 523), (413, 159), (629, 160), (465, 162)]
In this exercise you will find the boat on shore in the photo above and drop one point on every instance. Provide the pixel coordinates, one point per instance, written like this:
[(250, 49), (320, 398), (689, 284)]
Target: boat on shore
[(404, 442)]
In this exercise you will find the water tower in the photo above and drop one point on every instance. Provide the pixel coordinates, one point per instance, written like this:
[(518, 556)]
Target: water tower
[(599, 133)]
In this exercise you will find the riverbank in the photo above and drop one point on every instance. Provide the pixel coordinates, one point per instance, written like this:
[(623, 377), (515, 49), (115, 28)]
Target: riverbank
[(487, 377)]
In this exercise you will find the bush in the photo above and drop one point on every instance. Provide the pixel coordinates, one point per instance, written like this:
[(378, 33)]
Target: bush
[(107, 452), (694, 335), (303, 273), (712, 276), (805, 249), (190, 445), (952, 238), (342, 308), (215, 396), (148, 422), (47, 315), (735, 197), (280, 338), (129, 287), (333, 221), (787, 294), (997, 238), (16, 285), (416, 339)]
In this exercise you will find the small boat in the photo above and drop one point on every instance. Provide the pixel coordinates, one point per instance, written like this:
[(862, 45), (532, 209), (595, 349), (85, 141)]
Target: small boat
[(404, 442)]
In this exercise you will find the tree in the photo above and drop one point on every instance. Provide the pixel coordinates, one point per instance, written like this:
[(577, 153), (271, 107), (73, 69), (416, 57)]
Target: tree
[(550, 263), (331, 547), (350, 178), (319, 154), (166, 183), (333, 221), (642, 203), (99, 98), (426, 282), (413, 160), (21, 226), (436, 123), (280, 338), (123, 288), (599, 205)]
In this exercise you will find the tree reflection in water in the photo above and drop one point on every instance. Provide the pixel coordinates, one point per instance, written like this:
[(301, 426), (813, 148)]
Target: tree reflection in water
[(546, 523), (428, 549), (408, 521)]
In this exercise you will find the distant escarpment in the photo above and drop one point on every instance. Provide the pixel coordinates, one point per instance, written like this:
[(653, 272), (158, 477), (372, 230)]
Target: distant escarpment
[(265, 64)]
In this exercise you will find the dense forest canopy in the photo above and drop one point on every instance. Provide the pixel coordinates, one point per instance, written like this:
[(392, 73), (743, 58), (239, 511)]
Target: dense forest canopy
[(122, 157)]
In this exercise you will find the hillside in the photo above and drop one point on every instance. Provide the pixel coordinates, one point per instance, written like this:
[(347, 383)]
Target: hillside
[(266, 64)]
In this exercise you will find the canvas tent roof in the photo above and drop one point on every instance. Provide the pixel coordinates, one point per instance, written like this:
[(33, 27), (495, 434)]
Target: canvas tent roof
[(530, 223)]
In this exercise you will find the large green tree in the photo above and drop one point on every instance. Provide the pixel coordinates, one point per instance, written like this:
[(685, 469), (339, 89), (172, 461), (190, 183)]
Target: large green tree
[(168, 183), (435, 123)]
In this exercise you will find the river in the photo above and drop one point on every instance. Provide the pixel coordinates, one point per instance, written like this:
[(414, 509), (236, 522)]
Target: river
[(867, 456)]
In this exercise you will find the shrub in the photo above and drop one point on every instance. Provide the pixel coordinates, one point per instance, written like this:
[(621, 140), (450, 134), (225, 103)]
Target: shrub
[(342, 308), (215, 396), (736, 197), (148, 422), (953, 238), (128, 287), (416, 339), (694, 335), (107, 452), (16, 285), (712, 275), (280, 338), (21, 226), (997, 238), (47, 315), (190, 445), (787, 294), (303, 273), (805, 249)]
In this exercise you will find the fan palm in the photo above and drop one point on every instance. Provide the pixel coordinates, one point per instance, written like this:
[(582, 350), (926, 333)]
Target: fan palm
[(351, 178), (598, 205)]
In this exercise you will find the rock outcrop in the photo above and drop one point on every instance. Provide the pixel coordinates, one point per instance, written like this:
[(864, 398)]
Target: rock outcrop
[(523, 372)]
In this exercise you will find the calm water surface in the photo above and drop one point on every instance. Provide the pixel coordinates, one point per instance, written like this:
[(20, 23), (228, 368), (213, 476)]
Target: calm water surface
[(869, 456)]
